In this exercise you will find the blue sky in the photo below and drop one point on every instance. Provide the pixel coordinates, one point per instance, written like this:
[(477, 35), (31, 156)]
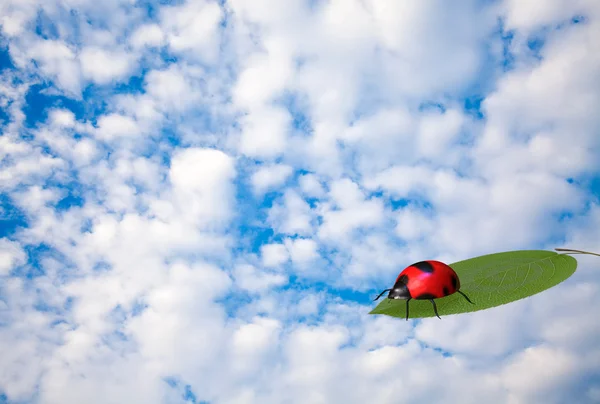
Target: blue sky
[(199, 199)]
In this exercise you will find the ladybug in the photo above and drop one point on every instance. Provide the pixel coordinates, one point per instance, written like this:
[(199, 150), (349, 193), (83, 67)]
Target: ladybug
[(425, 280)]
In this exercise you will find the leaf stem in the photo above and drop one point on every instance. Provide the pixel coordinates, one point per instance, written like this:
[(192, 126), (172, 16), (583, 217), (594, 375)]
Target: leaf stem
[(570, 251)]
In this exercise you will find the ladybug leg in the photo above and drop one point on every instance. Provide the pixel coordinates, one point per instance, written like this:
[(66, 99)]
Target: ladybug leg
[(466, 297), (407, 300), (387, 290), (435, 308)]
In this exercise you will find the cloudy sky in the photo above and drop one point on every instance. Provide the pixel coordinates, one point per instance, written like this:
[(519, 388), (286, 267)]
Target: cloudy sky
[(200, 199)]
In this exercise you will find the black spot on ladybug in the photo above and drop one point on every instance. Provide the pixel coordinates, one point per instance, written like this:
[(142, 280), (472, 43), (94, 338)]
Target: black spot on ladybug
[(426, 296), (424, 266), (454, 282), (446, 291), (403, 279)]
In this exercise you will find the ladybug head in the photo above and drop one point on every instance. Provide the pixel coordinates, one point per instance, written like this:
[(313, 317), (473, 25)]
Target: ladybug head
[(399, 291)]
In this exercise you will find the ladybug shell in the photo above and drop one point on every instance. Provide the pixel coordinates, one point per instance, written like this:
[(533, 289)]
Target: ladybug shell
[(429, 280)]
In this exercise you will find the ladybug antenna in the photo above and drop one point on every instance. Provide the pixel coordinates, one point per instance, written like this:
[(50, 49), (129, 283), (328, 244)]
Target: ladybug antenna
[(466, 297), (570, 251), (381, 294)]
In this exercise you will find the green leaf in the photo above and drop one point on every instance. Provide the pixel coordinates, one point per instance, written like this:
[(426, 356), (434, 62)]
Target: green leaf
[(491, 280)]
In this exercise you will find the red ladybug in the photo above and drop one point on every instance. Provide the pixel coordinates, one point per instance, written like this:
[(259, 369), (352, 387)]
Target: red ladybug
[(425, 280)]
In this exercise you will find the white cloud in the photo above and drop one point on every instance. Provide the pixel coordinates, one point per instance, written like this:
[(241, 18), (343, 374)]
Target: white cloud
[(274, 255), (451, 38), (202, 187), (172, 89), (302, 250), (309, 305), (103, 66), (354, 211), (58, 61), (531, 374), (269, 177), (523, 105), (311, 186), (147, 35), (265, 76), (35, 198), (85, 150), (400, 180), (14, 19), (264, 132), (254, 280), (437, 131), (11, 255), (292, 216), (193, 27), (251, 341), (383, 139), (145, 108), (63, 118), (373, 255), (305, 349), (530, 15), (412, 224), (30, 166), (200, 169), (114, 126)]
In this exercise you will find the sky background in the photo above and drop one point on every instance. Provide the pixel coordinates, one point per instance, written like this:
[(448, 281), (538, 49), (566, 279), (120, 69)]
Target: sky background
[(199, 199)]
